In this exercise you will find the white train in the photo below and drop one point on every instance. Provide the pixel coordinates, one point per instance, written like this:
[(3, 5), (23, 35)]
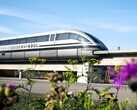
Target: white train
[(58, 45)]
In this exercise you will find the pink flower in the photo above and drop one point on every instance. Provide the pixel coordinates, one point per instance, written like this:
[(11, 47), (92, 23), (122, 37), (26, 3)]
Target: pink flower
[(70, 93)]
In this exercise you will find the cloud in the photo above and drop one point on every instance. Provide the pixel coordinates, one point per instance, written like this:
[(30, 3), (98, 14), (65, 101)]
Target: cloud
[(10, 12), (6, 30), (36, 20), (30, 15), (61, 25), (120, 28), (45, 20), (114, 27)]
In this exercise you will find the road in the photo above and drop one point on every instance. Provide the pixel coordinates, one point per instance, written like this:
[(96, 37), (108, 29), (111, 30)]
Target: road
[(44, 86)]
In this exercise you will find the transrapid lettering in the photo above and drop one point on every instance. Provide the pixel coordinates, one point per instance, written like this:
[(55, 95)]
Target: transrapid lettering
[(17, 47)]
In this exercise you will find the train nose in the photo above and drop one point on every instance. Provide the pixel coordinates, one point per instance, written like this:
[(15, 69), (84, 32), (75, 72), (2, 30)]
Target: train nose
[(103, 48)]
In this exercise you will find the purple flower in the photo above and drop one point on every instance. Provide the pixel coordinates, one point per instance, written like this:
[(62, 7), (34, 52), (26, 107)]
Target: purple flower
[(121, 78), (112, 71), (10, 85), (132, 70), (128, 72)]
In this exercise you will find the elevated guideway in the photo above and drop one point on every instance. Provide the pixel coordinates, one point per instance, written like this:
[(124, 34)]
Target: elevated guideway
[(18, 69), (49, 67), (116, 57), (108, 58), (115, 53)]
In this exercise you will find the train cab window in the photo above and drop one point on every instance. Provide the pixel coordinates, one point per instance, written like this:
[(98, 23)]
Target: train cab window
[(52, 37), (96, 40), (73, 36), (93, 38), (82, 39), (21, 41), (62, 36), (14, 41), (43, 38), (5, 42), (31, 39)]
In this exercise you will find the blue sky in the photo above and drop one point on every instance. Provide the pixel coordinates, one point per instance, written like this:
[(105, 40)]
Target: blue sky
[(112, 21)]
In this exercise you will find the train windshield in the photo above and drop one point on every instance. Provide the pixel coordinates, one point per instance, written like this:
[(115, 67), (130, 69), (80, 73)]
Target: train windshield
[(94, 39)]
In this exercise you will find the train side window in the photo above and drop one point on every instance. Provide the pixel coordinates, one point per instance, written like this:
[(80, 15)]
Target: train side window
[(21, 41), (5, 42), (82, 39), (63, 36), (43, 38), (31, 39), (52, 37), (14, 41), (73, 36)]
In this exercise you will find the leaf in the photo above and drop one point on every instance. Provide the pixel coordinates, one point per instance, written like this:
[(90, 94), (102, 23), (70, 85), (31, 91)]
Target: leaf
[(95, 77), (120, 106), (71, 80), (30, 81), (108, 88), (27, 69)]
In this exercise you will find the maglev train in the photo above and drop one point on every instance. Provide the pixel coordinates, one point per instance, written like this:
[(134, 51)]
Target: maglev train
[(59, 45)]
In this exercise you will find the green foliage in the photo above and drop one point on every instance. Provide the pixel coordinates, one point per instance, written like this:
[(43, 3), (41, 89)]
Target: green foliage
[(92, 60), (60, 98), (38, 103), (72, 62), (31, 81), (70, 77), (36, 60)]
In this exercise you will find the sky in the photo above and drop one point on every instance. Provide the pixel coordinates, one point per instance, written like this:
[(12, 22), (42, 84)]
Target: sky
[(114, 22)]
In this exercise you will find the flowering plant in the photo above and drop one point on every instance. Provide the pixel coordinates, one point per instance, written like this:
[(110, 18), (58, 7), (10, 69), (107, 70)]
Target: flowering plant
[(128, 74), (8, 95), (61, 98)]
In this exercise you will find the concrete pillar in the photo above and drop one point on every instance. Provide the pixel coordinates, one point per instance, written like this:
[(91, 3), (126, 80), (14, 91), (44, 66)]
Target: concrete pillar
[(20, 74), (84, 71)]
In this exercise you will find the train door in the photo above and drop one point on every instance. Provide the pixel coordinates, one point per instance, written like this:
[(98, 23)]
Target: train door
[(65, 47), (50, 52)]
